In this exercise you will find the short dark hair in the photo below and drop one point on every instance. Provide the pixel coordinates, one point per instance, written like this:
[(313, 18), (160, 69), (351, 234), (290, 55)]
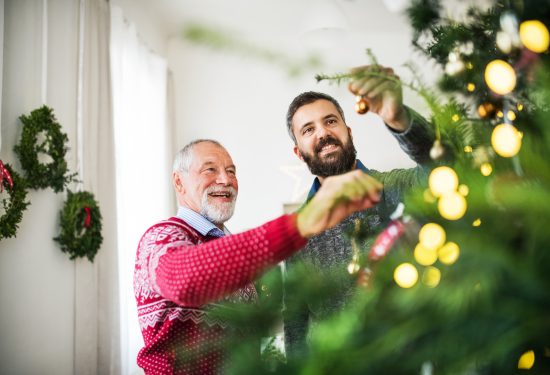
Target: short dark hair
[(307, 98)]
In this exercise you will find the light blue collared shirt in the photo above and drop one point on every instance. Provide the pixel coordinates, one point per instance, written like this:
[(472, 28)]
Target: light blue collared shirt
[(200, 223)]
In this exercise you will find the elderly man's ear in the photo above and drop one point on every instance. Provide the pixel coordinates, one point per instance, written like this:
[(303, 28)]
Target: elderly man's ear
[(178, 183)]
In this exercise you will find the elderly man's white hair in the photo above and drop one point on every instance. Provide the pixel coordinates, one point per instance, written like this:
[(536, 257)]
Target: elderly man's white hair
[(184, 157)]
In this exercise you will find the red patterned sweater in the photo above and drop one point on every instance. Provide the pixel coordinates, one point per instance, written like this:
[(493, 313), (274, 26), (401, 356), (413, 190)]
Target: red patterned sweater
[(179, 272)]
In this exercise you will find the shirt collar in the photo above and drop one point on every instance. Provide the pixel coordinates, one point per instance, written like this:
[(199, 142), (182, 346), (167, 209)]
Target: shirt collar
[(317, 184), (199, 222)]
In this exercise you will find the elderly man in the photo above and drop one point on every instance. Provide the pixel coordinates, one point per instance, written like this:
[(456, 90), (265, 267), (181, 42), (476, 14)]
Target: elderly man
[(316, 124), (185, 263)]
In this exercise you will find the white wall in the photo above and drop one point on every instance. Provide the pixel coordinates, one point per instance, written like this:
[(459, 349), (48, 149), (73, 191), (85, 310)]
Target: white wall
[(39, 308), (242, 102), (36, 278)]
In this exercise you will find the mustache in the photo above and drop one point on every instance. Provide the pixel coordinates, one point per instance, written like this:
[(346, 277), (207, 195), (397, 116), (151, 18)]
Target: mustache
[(328, 140), (221, 189)]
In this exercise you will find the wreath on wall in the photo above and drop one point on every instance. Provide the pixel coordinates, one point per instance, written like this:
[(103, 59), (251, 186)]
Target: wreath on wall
[(42, 175), (80, 222), (16, 204)]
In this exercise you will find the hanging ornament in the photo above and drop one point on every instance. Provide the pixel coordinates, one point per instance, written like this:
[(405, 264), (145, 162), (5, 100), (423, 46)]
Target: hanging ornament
[(382, 244), (534, 36), (5, 175), (15, 187), (506, 140), (361, 105), (442, 180), (437, 150), (500, 77), (487, 110)]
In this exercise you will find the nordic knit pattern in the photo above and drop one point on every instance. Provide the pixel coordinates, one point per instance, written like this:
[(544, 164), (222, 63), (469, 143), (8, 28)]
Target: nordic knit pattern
[(179, 272)]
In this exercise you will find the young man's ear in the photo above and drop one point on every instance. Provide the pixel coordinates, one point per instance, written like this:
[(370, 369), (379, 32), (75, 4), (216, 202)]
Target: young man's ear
[(350, 135), (177, 182), (297, 153)]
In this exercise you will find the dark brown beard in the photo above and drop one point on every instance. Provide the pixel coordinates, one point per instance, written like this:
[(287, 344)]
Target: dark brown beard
[(341, 162)]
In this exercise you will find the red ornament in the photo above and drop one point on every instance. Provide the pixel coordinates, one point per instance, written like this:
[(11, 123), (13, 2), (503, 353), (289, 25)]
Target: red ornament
[(88, 217), (386, 239), (4, 174)]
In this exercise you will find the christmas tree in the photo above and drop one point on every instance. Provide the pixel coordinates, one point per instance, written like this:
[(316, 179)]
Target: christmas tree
[(466, 288)]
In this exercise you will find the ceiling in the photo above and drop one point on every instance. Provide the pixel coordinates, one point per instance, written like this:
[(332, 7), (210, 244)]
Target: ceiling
[(271, 20)]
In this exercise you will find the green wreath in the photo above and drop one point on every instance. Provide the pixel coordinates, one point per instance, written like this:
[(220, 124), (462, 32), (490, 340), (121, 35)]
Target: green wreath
[(80, 221), (16, 204), (39, 176)]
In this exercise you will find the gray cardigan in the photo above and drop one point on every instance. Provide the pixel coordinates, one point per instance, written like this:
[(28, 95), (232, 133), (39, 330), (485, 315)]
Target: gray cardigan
[(331, 251)]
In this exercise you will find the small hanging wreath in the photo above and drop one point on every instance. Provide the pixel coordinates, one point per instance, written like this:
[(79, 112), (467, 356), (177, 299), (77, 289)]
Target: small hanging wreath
[(39, 175), (15, 205), (80, 221)]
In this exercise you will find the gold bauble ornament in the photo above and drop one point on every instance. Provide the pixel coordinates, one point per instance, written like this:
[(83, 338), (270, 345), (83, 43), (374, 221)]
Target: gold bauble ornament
[(486, 110), (506, 140), (361, 105), (534, 35), (500, 77)]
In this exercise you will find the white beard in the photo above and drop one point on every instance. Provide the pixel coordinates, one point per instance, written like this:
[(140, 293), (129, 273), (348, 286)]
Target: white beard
[(218, 213)]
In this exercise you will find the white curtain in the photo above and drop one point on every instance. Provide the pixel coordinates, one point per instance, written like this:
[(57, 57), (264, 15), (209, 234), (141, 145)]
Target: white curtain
[(139, 86), (97, 346)]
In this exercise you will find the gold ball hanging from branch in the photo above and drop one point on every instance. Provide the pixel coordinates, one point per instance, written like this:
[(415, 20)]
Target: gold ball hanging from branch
[(486, 110), (361, 105)]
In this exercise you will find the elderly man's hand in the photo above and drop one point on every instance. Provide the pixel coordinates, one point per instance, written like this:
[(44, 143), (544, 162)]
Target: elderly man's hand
[(381, 87), (338, 197)]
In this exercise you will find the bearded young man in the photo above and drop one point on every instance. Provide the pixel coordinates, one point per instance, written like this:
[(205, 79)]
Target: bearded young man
[(316, 124), (188, 262)]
